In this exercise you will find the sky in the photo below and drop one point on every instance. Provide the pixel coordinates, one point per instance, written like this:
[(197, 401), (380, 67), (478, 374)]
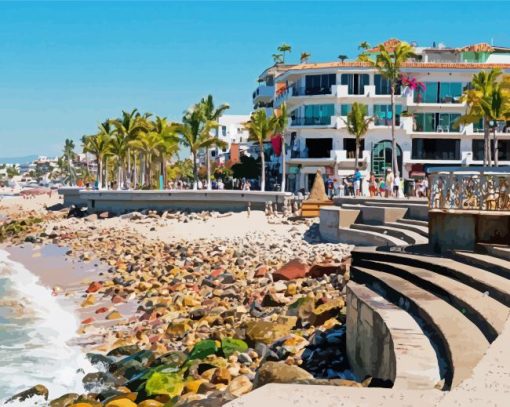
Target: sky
[(66, 66)]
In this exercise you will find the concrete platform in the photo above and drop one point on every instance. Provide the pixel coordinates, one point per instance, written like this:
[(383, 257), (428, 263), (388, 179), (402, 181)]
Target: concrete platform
[(360, 238), (394, 229), (125, 201), (377, 215)]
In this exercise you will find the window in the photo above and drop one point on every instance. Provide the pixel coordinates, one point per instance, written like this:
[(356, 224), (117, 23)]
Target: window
[(318, 84), (436, 122), (319, 147), (382, 114), (440, 92), (318, 114), (435, 149), (382, 86), (355, 82), (350, 147), (224, 131), (503, 150), (345, 110)]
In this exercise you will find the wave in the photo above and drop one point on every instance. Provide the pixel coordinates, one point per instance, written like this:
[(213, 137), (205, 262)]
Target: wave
[(35, 346)]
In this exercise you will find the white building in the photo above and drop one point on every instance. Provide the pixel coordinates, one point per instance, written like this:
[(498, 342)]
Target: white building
[(319, 97), (231, 130)]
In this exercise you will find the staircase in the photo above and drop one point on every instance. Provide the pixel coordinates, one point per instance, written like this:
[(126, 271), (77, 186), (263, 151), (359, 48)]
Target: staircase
[(460, 303)]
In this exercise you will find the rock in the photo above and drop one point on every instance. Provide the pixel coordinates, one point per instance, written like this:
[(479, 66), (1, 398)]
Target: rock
[(96, 380), (104, 215), (322, 269), (117, 299), (221, 375), (87, 321), (291, 271), (240, 385), (125, 350), (272, 299), (37, 390), (261, 271), (150, 403), (101, 310), (280, 372), (91, 218), (98, 359), (203, 349), (90, 300), (94, 287), (303, 309), (265, 331), (113, 315), (230, 345), (327, 310), (123, 402), (177, 328), (294, 344), (244, 358)]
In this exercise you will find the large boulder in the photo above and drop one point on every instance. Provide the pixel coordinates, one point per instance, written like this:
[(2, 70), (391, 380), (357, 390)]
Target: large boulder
[(280, 372), (265, 331), (37, 390), (292, 270)]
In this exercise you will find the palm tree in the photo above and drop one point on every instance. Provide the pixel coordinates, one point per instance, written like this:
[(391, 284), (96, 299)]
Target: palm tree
[(212, 114), (260, 127), (342, 57), (149, 145), (83, 141), (364, 46), (487, 100), (357, 125), (388, 63), (118, 148), (278, 58), (99, 146), (305, 56), (169, 145), (281, 123), (195, 133), (283, 48), (129, 126), (69, 155)]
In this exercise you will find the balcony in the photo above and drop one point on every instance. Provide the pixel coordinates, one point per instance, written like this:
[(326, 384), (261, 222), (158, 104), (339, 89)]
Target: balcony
[(325, 121), (304, 91), (263, 92)]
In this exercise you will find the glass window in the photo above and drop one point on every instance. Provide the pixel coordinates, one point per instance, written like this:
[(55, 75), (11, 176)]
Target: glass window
[(319, 84), (503, 149), (382, 86), (436, 122), (350, 147), (450, 92), (319, 114), (345, 110), (382, 114), (355, 82), (435, 149)]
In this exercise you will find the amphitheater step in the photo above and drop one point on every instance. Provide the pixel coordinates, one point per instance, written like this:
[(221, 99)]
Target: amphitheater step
[(422, 230), (377, 215), (491, 263), (361, 238), (482, 280), (409, 361), (485, 312), (408, 236), (459, 342), (503, 252), (413, 222)]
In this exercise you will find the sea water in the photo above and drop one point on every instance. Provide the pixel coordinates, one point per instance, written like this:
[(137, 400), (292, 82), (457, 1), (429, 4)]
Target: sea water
[(35, 328)]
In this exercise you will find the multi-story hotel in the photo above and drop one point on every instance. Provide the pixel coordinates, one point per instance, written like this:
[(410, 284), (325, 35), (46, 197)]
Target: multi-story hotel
[(319, 97)]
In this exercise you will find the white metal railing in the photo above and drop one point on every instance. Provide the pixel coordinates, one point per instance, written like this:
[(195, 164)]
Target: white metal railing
[(484, 190)]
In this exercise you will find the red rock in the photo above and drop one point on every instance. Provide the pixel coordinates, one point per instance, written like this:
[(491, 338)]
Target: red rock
[(87, 321), (292, 270), (216, 272), (117, 299), (101, 310), (94, 286), (261, 271), (319, 270)]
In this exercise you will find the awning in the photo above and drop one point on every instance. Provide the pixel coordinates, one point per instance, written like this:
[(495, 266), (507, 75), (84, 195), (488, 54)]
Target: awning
[(417, 174)]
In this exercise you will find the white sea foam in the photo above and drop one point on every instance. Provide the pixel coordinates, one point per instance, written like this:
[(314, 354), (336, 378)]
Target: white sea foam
[(34, 349)]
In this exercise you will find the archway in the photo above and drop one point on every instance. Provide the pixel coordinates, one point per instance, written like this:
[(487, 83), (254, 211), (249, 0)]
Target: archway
[(382, 158)]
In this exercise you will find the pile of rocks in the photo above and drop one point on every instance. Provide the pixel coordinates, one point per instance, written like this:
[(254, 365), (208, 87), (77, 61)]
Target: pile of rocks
[(211, 319)]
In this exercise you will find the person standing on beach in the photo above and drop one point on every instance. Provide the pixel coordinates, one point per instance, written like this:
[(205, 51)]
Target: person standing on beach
[(372, 187), (389, 182), (396, 186), (357, 182)]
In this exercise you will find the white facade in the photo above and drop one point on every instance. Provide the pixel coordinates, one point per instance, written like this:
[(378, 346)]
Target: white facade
[(319, 96)]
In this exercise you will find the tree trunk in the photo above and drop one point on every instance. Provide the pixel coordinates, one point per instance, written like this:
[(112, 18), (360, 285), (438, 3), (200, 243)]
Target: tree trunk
[(208, 169), (486, 143), (263, 162), (135, 175), (393, 139), (129, 166), (69, 163), (119, 176), (99, 172), (496, 148), (195, 171), (106, 173), (283, 163), (356, 154), (163, 171)]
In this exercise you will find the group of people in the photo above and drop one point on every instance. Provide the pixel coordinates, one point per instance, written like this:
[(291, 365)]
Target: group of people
[(388, 186), (201, 184)]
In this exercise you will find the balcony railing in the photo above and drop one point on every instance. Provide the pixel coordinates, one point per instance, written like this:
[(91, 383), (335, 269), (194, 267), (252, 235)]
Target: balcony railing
[(307, 91), (470, 190), (311, 121)]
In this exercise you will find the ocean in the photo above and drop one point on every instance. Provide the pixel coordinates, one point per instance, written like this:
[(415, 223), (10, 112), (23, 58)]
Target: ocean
[(35, 328)]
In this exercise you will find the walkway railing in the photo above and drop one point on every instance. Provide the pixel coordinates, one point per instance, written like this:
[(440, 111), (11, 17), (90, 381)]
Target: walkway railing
[(487, 189)]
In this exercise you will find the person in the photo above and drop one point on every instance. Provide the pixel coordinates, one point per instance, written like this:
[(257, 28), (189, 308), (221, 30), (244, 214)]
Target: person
[(396, 186), (329, 187), (221, 185), (357, 182), (336, 187), (372, 186), (389, 182), (341, 187), (382, 187)]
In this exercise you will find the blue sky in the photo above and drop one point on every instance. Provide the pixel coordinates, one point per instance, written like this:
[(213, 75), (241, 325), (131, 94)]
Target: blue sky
[(65, 66)]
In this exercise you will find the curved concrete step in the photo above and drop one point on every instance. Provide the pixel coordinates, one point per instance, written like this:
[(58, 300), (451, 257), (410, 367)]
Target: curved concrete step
[(407, 236), (503, 252), (485, 312), (422, 230), (487, 262), (395, 348), (413, 222), (482, 280), (459, 342), (363, 238)]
